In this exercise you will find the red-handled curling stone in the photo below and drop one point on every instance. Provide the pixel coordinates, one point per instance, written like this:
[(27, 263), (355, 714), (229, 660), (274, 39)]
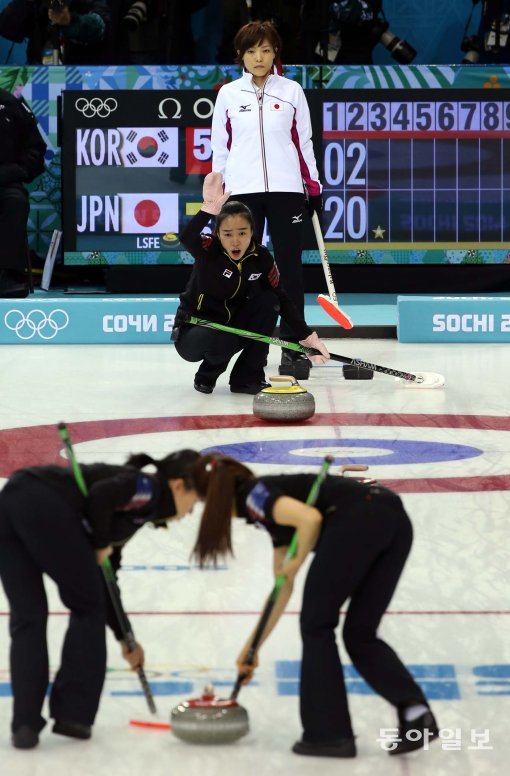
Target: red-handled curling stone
[(209, 720)]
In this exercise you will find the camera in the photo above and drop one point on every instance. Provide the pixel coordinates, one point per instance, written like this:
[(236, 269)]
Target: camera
[(471, 47), (136, 15), (401, 51)]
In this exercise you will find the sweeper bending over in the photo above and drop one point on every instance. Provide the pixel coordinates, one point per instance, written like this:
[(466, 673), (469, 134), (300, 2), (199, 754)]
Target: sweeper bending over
[(234, 281), (361, 537), (48, 527)]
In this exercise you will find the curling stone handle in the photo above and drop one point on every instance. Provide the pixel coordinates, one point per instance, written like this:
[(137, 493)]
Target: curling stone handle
[(284, 379), (354, 467)]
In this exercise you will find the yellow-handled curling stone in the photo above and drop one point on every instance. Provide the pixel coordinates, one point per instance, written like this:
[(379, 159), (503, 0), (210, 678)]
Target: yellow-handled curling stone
[(287, 402), (209, 720)]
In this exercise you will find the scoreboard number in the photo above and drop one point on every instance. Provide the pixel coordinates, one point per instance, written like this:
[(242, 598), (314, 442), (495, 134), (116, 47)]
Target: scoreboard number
[(426, 168), (198, 150)]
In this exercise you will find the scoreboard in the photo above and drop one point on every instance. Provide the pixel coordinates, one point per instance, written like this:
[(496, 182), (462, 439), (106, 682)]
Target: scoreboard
[(417, 169), (405, 173), (133, 167)]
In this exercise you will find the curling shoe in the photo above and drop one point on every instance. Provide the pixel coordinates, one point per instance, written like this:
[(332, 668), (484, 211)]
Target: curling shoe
[(25, 738), (249, 388), (203, 387), (414, 733), (337, 747), (295, 364), (72, 729)]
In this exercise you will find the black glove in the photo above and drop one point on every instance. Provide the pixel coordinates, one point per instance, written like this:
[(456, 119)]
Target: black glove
[(315, 204)]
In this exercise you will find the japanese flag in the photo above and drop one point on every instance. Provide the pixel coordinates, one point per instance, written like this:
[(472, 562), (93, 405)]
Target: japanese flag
[(149, 146), (149, 213)]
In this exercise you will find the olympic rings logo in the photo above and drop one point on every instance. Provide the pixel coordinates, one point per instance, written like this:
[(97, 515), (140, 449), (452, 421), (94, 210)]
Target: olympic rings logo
[(36, 322), (96, 106)]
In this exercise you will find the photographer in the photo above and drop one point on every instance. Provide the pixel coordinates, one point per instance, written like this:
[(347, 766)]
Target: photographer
[(346, 32), (158, 31), (80, 30), (494, 32)]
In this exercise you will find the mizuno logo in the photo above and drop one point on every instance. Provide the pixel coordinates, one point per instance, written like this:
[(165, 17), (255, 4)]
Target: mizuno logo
[(244, 108), (297, 219)]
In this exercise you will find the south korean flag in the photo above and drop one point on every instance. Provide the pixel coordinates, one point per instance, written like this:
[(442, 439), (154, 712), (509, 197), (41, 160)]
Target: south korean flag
[(149, 146)]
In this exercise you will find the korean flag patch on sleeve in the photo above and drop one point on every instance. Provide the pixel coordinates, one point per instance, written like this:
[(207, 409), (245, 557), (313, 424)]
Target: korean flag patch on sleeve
[(256, 502)]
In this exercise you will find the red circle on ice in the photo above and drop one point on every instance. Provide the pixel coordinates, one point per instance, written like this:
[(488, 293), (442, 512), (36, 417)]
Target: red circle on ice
[(32, 445)]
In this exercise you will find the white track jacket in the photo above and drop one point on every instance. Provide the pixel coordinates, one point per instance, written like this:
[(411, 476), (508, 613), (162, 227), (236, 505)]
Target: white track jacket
[(262, 138)]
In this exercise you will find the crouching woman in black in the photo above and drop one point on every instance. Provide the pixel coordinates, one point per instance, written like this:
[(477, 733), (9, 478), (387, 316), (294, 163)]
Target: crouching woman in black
[(48, 527), (361, 537), (235, 282)]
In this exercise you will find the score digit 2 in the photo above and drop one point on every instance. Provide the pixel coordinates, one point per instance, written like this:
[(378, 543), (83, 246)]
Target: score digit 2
[(346, 208), (198, 150)]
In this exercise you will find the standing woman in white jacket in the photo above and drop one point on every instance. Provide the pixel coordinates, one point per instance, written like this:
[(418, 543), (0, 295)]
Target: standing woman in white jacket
[(262, 145)]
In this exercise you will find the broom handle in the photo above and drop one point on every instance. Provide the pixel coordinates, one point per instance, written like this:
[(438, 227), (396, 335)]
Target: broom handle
[(280, 579), (324, 258), (108, 573), (302, 349)]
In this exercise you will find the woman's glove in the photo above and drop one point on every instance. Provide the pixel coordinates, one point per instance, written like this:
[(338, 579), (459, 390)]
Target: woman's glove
[(213, 195), (313, 341), (315, 203)]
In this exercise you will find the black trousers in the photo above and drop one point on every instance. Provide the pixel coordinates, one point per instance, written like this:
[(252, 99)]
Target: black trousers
[(216, 348), (14, 209), (360, 555), (40, 534), (285, 213)]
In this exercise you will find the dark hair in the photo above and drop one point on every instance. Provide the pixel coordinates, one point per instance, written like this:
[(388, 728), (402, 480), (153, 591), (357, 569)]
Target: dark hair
[(174, 466), (254, 33), (235, 208), (215, 477)]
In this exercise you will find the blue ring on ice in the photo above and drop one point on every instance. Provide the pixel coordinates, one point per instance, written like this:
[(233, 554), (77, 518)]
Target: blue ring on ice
[(391, 452)]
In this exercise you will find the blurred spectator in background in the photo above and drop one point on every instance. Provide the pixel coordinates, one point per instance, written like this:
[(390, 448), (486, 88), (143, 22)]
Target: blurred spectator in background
[(75, 32), (235, 15), (346, 32), (493, 44), (22, 152), (286, 16)]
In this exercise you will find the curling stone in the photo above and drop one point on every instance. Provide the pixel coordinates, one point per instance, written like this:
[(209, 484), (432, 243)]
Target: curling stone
[(289, 402), (209, 720)]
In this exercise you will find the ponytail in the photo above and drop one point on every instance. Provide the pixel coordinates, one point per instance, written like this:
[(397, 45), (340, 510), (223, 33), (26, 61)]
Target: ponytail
[(216, 478), (174, 466)]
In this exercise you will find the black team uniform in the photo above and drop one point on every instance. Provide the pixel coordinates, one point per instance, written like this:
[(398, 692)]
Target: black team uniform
[(246, 294), (363, 545), (47, 526)]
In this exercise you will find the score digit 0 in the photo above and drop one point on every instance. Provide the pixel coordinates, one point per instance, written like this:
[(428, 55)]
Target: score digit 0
[(345, 169)]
